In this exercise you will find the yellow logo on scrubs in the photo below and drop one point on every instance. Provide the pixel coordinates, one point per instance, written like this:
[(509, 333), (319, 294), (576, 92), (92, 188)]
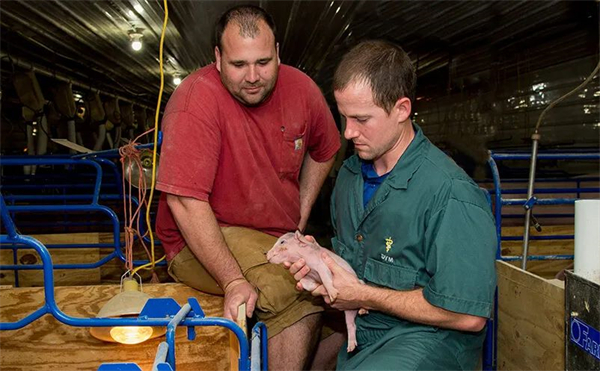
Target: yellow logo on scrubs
[(388, 244), (298, 144)]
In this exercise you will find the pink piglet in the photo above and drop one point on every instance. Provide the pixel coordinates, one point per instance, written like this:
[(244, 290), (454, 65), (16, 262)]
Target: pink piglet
[(291, 247)]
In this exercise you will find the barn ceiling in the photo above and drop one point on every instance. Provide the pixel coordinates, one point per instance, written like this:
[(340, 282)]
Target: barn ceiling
[(88, 42)]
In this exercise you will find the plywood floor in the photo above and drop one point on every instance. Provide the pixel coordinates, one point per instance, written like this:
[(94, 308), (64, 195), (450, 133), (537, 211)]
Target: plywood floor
[(47, 344)]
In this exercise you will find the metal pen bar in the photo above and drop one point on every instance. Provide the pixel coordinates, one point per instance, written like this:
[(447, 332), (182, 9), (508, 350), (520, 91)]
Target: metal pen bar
[(497, 204), (545, 156), (539, 201), (534, 152), (541, 216), (93, 207), (537, 257), (114, 153), (259, 348), (554, 180), (74, 246), (53, 161), (552, 190), (542, 238), (161, 355), (50, 307), (183, 312)]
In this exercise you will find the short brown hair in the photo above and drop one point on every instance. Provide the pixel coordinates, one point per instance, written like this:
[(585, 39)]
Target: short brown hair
[(247, 17), (382, 65)]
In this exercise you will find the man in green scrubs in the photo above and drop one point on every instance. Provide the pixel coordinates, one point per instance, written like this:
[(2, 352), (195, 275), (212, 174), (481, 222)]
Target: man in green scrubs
[(415, 228)]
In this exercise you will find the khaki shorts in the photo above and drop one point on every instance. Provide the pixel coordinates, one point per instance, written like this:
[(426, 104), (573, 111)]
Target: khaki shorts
[(279, 304)]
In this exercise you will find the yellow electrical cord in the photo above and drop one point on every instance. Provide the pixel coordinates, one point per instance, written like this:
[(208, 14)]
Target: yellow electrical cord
[(162, 86)]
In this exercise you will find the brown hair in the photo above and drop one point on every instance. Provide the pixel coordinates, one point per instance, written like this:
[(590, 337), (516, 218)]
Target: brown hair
[(382, 65), (247, 17)]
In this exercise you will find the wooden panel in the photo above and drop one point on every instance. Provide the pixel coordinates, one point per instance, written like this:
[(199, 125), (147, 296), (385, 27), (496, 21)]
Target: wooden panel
[(7, 277), (530, 321), (548, 268), (62, 277), (47, 344), (234, 344)]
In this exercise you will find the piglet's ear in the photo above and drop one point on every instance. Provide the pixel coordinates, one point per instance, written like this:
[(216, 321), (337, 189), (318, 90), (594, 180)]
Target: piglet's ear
[(303, 239), (300, 238)]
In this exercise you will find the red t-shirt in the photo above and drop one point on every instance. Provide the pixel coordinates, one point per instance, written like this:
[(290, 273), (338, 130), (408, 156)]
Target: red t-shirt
[(245, 161)]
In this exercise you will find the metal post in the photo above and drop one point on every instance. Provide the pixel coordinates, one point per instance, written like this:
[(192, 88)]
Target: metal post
[(161, 355), (535, 137), (183, 312)]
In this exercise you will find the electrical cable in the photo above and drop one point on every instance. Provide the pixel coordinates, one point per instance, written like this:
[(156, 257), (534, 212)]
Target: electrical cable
[(154, 149), (557, 101)]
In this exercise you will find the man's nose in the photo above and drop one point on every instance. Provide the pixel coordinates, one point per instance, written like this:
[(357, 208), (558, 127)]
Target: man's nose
[(252, 76), (350, 131)]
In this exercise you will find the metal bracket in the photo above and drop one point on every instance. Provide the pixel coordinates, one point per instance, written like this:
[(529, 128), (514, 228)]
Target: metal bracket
[(529, 204)]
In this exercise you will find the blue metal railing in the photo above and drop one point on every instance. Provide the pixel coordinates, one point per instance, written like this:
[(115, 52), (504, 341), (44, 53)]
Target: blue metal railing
[(92, 205), (500, 201), (490, 361), (183, 316)]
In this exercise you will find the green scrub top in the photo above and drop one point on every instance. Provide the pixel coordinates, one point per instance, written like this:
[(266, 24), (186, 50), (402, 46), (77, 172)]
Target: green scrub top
[(428, 226)]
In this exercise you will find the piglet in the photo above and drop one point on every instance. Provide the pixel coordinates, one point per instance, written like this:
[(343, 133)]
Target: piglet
[(291, 247)]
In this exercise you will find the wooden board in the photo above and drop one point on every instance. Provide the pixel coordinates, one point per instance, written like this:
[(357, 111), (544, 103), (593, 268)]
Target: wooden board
[(547, 268), (530, 321), (62, 277), (234, 344), (47, 344)]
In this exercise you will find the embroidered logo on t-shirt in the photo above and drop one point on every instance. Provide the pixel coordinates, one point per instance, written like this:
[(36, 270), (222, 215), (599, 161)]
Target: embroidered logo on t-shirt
[(298, 144), (386, 258), (388, 246)]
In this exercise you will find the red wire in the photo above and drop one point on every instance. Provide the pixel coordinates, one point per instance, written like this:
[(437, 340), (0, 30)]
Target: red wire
[(130, 157)]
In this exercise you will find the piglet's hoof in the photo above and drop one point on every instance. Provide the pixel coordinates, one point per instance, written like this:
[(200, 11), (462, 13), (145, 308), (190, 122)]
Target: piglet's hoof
[(333, 294), (351, 346)]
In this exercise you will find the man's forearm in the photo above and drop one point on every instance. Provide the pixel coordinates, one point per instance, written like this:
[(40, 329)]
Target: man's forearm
[(312, 176), (202, 233), (412, 306)]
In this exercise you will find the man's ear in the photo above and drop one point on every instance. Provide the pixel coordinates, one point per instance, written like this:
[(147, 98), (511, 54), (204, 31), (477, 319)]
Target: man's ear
[(218, 58), (277, 50), (403, 109)]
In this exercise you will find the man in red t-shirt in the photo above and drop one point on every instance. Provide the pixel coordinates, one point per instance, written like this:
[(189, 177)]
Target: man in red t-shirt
[(247, 145)]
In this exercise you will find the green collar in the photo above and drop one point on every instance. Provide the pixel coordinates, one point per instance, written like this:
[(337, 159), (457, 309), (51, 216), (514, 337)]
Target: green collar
[(406, 166)]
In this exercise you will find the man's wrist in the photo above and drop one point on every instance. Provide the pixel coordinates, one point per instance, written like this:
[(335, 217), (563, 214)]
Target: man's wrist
[(234, 282), (366, 296)]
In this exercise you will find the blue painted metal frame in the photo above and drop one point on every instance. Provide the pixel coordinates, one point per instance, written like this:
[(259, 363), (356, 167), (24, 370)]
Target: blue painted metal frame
[(183, 316), (94, 206), (499, 201), (490, 361), (114, 153), (489, 350), (11, 199)]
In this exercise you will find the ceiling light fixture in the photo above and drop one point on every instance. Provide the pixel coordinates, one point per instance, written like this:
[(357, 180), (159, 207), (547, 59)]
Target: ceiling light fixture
[(135, 37), (176, 79)]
